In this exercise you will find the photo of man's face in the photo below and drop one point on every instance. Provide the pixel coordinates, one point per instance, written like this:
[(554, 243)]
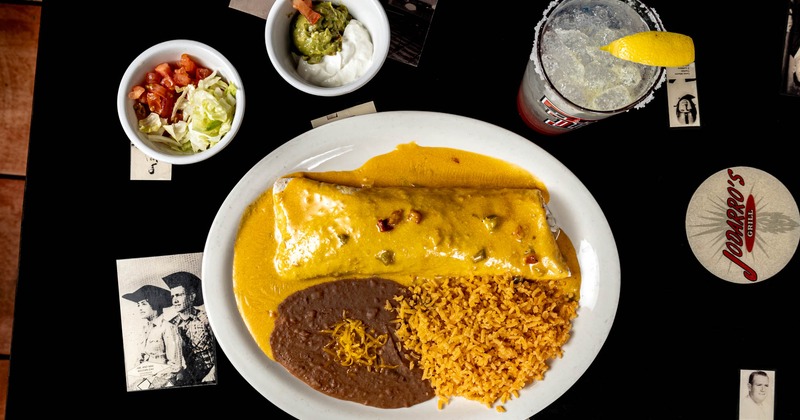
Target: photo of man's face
[(686, 110), (684, 106), (180, 298), (759, 387)]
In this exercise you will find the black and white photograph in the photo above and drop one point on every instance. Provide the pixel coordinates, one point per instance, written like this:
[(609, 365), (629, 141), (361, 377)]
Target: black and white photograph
[(410, 21), (684, 105), (791, 50), (167, 337), (756, 399)]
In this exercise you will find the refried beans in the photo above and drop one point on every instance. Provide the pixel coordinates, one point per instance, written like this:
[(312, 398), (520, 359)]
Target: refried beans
[(299, 339)]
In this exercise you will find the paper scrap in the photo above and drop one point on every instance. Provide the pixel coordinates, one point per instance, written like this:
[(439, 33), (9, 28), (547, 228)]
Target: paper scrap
[(145, 168), (258, 8), (365, 108), (683, 102)]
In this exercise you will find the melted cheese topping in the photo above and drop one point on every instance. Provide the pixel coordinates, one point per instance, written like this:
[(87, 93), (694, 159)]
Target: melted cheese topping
[(325, 229), (258, 287)]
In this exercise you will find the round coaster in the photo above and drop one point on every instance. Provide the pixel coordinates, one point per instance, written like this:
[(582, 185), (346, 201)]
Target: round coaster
[(743, 225)]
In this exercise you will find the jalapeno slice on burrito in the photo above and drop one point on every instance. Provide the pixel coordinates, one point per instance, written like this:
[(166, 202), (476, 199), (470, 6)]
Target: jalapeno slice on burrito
[(329, 230)]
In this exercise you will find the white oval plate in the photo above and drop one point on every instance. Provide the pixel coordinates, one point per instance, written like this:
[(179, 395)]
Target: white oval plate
[(346, 144)]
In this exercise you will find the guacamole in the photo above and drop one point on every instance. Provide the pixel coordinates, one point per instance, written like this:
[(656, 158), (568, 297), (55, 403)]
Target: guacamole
[(314, 42)]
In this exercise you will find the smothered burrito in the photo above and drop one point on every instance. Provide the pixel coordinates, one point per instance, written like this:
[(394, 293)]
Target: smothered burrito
[(330, 230), (426, 273)]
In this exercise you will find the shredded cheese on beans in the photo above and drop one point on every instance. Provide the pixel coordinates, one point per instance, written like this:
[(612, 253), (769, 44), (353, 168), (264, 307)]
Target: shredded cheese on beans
[(351, 344)]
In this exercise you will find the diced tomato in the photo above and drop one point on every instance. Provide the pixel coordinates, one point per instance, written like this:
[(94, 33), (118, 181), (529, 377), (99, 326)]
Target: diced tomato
[(160, 100), (152, 77), (164, 70), (136, 92), (187, 64), (155, 103), (203, 72), (158, 89), (182, 78), (160, 105), (168, 82)]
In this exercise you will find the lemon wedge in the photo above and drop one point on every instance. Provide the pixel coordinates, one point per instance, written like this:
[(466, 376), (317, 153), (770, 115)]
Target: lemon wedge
[(654, 48)]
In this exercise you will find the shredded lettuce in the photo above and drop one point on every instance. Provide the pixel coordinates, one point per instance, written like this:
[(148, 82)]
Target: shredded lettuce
[(207, 111)]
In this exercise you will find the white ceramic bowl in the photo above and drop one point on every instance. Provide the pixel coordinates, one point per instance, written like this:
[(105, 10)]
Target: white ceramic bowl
[(170, 51), (279, 43)]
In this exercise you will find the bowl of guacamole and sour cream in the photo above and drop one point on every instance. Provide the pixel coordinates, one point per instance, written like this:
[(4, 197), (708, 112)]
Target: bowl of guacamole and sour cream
[(327, 48)]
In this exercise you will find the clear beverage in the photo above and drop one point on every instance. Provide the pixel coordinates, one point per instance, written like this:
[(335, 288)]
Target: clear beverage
[(569, 82)]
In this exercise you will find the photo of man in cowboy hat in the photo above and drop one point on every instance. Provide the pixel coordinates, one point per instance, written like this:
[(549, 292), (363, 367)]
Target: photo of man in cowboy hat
[(191, 320)]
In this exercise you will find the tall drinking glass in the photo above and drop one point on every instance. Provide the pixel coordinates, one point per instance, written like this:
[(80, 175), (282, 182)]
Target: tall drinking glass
[(569, 82)]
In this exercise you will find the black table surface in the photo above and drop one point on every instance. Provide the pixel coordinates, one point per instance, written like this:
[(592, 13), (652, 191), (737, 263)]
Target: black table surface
[(680, 336)]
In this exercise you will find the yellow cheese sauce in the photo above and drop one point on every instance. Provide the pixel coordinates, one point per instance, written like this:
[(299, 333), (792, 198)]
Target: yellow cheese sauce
[(259, 288), (329, 230)]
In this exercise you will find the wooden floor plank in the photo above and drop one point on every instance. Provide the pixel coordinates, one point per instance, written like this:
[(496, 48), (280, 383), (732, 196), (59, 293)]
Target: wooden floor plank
[(11, 194), (3, 387), (19, 42)]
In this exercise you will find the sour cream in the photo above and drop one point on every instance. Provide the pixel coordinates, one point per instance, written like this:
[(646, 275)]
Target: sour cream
[(345, 66)]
